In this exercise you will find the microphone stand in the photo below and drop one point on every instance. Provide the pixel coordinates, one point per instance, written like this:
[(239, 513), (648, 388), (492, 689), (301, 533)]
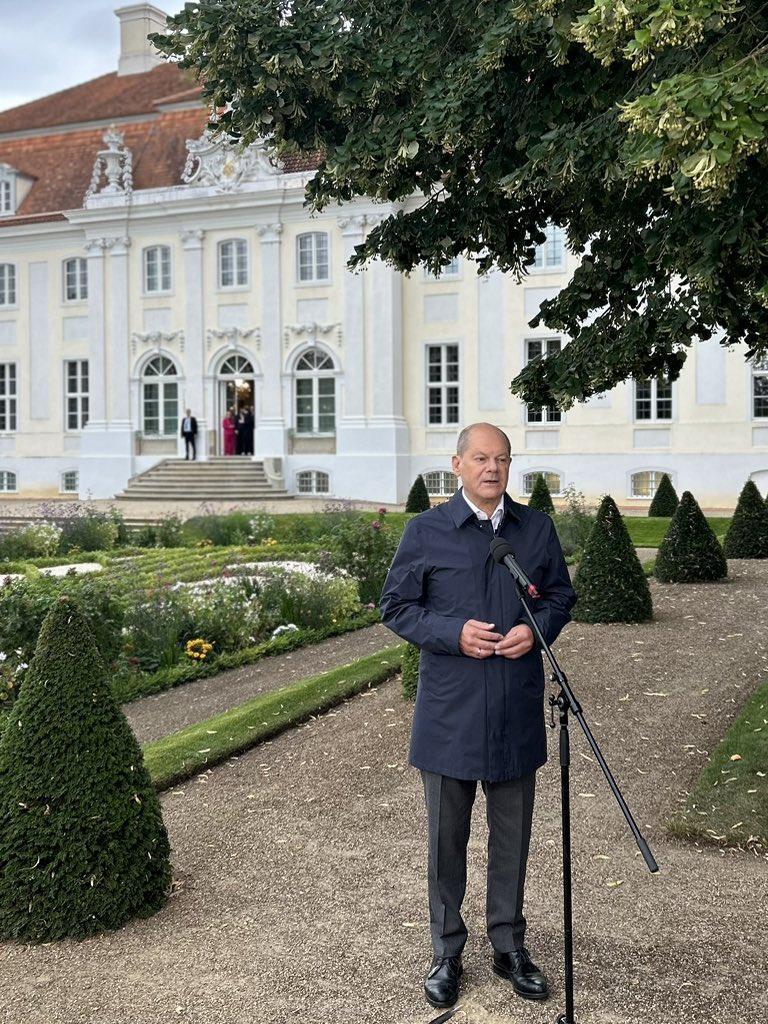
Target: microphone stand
[(565, 701)]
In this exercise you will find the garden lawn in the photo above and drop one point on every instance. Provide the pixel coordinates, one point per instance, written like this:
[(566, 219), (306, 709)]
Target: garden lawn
[(647, 532)]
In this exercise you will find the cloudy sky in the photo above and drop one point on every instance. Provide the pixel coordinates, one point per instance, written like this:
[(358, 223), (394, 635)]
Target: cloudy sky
[(47, 45)]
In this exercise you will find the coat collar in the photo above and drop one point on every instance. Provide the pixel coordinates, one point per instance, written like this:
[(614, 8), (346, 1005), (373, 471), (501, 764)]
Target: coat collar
[(461, 512)]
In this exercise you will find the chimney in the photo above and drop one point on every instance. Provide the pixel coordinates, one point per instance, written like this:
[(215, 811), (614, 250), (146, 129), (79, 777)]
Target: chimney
[(137, 54)]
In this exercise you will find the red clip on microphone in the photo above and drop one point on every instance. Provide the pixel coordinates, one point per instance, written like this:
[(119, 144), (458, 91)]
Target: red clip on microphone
[(502, 553)]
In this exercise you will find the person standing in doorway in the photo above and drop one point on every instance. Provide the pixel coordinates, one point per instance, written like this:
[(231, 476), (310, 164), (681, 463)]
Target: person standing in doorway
[(479, 713), (228, 430), (240, 432), (189, 433), (248, 430)]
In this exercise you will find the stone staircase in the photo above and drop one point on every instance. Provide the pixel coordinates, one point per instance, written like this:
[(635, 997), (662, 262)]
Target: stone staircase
[(220, 478)]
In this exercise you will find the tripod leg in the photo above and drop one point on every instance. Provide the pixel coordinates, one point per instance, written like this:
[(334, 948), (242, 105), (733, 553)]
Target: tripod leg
[(565, 795)]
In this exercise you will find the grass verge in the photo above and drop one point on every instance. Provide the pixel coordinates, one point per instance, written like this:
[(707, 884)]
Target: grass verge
[(729, 803), (191, 750), (648, 532)]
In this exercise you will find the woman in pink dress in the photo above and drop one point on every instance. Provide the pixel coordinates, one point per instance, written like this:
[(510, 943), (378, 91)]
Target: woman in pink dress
[(228, 426)]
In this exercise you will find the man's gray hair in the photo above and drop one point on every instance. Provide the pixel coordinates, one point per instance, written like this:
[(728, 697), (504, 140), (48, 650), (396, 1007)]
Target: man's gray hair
[(464, 437)]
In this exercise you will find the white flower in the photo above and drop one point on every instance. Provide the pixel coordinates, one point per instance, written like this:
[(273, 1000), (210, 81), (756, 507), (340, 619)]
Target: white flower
[(3, 656), (289, 627), (21, 666)]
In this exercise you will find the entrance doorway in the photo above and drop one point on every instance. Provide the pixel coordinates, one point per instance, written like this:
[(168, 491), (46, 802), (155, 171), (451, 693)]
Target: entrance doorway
[(236, 391)]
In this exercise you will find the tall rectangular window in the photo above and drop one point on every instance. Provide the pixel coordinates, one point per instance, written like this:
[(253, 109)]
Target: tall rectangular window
[(7, 284), (157, 269), (551, 255), (312, 256), (233, 263), (8, 398), (76, 393), (442, 385), (75, 279), (542, 348), (653, 399), (760, 388)]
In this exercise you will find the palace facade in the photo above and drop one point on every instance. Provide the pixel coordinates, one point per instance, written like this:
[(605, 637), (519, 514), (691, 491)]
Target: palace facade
[(146, 269)]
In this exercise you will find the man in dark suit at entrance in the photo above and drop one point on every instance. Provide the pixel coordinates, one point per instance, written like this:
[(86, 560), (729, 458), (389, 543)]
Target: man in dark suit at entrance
[(189, 433), (479, 712)]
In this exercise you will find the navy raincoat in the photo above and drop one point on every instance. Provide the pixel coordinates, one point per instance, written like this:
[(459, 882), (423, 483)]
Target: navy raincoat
[(475, 718)]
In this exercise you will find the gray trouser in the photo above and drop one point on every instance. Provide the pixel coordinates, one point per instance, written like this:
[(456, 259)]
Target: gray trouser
[(509, 808)]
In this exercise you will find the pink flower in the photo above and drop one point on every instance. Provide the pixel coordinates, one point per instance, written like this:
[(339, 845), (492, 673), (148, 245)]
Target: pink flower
[(382, 511), (376, 525)]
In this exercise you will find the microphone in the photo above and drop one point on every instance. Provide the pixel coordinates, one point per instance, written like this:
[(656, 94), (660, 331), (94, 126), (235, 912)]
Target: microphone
[(502, 553)]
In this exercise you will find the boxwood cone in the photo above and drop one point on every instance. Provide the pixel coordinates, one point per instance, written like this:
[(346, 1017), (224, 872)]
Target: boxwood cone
[(418, 496), (747, 535), (665, 500), (690, 552), (540, 497), (609, 582), (83, 847)]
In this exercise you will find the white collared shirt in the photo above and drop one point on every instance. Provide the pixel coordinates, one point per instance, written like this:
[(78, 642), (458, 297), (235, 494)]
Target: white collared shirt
[(187, 427), (495, 516)]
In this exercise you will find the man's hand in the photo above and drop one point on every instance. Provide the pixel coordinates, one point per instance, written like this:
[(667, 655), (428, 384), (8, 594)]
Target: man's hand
[(478, 640), (518, 641)]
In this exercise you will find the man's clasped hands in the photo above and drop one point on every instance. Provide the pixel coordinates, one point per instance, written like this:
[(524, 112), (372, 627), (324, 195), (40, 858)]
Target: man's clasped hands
[(478, 640)]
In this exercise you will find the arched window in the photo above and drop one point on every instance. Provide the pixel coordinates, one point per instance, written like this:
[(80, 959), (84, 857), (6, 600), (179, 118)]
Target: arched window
[(157, 269), (312, 481), (233, 263), (760, 388), (312, 256), (7, 284), (75, 279), (315, 393), (440, 483), (236, 366), (645, 483), (553, 481), (7, 481), (160, 398)]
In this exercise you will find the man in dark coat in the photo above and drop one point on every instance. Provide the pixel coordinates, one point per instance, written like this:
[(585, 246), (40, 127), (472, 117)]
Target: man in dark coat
[(189, 433), (479, 713)]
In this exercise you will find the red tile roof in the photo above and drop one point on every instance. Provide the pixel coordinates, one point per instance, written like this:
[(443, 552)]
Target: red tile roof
[(100, 99), (61, 162)]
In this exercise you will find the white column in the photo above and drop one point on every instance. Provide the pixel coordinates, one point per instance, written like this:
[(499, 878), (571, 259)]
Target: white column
[(269, 435), (353, 413), (194, 349), (492, 393), (119, 354), (97, 402)]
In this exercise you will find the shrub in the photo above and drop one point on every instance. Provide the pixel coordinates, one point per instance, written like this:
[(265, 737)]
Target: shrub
[(38, 540), (540, 497), (305, 600), (168, 531), (154, 628), (574, 521), (665, 500), (418, 496), (260, 527), (92, 531), (747, 535), (25, 603), (610, 583), (364, 549), (227, 615), (145, 536), (690, 552), (118, 519), (82, 840), (411, 659)]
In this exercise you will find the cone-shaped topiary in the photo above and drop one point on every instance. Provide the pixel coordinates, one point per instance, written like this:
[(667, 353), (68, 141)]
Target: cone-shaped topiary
[(540, 497), (610, 583), (411, 660), (747, 535), (690, 552), (83, 847), (665, 500), (418, 496)]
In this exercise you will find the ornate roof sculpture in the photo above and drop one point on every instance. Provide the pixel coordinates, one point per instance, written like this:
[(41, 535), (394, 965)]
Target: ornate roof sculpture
[(216, 162), (115, 163)]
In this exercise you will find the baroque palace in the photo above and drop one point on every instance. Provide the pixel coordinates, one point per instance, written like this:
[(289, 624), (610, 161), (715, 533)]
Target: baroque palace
[(146, 269)]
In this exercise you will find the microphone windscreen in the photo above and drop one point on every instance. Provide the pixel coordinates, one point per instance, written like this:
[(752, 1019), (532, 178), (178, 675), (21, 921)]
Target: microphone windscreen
[(500, 549)]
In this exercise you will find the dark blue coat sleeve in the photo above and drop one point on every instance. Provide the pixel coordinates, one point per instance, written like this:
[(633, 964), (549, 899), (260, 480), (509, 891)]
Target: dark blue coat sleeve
[(403, 599), (553, 609)]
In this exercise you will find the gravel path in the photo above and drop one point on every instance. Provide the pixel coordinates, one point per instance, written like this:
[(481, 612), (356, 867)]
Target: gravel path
[(161, 714), (301, 866)]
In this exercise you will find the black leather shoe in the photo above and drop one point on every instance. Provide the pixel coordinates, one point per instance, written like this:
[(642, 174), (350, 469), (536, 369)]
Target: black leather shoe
[(517, 967), (441, 985)]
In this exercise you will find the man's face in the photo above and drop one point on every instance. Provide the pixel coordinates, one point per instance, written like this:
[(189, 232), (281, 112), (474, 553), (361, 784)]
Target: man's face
[(484, 466)]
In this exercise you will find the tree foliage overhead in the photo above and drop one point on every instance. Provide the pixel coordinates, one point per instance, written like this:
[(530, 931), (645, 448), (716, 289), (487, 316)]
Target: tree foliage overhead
[(638, 126)]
